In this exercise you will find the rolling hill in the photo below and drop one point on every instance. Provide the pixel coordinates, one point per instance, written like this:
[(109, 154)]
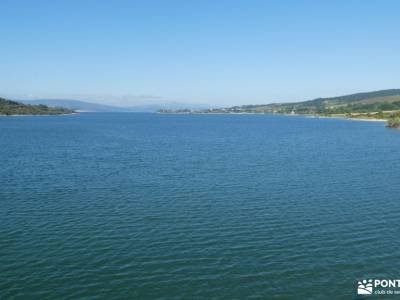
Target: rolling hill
[(361, 103), (384, 105), (8, 107), (369, 102)]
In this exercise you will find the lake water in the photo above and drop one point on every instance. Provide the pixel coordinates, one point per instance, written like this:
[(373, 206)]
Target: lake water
[(147, 206)]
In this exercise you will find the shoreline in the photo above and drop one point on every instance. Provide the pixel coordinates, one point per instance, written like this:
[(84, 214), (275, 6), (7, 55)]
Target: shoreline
[(221, 113), (46, 115), (345, 118), (286, 115)]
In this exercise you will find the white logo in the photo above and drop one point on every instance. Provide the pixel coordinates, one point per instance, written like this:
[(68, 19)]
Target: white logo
[(365, 287)]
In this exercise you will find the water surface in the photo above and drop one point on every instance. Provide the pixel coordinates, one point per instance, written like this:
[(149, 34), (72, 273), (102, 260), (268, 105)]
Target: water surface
[(147, 206)]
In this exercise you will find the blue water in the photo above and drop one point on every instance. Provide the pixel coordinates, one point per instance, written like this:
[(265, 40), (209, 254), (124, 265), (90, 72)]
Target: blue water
[(147, 206)]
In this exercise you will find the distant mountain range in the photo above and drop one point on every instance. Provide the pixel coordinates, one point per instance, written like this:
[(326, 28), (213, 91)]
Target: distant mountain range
[(84, 106)]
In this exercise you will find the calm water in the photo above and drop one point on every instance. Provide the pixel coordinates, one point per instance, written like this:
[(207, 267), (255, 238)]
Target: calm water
[(141, 206)]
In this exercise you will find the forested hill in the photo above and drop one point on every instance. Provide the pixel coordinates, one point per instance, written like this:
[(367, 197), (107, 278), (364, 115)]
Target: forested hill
[(8, 107)]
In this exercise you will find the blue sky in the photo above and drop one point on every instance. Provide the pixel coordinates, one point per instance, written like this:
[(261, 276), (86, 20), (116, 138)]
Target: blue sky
[(217, 52)]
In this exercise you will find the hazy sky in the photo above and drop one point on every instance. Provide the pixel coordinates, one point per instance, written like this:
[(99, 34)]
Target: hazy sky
[(218, 52)]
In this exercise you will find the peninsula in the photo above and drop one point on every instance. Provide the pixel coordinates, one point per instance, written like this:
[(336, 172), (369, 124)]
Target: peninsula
[(10, 108), (377, 105)]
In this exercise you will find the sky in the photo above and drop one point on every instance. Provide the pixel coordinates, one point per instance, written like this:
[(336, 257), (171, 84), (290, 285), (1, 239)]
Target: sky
[(219, 52)]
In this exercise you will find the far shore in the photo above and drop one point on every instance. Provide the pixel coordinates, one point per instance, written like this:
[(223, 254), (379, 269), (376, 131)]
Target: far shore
[(286, 115), (241, 113), (74, 113), (345, 118)]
